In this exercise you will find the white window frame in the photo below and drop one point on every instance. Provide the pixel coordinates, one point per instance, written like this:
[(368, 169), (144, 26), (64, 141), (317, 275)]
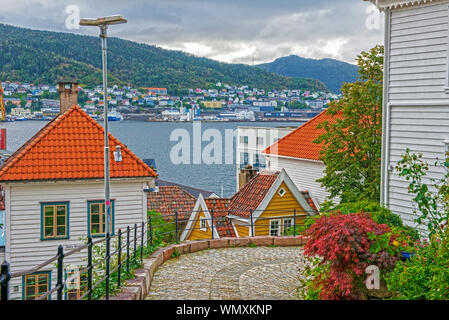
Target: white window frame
[(203, 219), (283, 192), (283, 223), (279, 221)]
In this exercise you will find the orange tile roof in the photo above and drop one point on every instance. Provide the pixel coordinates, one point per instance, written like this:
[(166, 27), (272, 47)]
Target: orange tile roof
[(220, 210), (309, 200), (171, 199), (252, 194), (299, 142), (71, 146)]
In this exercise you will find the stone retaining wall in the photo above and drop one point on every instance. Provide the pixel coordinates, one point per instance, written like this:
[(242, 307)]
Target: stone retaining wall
[(137, 288)]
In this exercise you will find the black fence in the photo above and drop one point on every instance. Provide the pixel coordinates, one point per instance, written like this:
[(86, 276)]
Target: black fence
[(105, 267)]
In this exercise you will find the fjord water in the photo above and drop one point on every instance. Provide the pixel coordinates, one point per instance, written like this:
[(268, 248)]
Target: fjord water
[(152, 140)]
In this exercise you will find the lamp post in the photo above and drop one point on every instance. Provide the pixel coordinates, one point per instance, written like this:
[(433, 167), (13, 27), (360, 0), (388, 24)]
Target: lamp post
[(103, 24)]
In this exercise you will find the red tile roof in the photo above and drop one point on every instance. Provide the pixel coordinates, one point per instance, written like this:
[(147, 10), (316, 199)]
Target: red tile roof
[(299, 142), (252, 194), (171, 199), (223, 225), (71, 147), (309, 200)]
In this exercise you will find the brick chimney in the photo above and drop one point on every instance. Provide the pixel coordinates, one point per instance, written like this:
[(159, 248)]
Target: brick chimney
[(245, 175), (68, 95)]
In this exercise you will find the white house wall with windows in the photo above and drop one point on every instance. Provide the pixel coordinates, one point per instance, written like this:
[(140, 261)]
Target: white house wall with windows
[(251, 141), (54, 195), (416, 97)]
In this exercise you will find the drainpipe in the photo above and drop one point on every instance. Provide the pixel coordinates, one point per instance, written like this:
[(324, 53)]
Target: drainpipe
[(385, 114)]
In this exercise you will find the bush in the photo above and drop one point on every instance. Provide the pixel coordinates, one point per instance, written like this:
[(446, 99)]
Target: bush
[(425, 275), (380, 215), (339, 247), (164, 228)]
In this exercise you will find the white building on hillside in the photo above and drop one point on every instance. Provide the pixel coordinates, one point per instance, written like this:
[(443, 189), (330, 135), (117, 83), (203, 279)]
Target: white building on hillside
[(251, 141)]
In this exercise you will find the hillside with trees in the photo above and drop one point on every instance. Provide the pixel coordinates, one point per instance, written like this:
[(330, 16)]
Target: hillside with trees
[(332, 73), (45, 57)]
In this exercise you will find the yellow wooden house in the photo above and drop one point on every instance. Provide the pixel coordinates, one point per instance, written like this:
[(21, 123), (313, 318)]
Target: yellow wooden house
[(268, 205), (203, 214)]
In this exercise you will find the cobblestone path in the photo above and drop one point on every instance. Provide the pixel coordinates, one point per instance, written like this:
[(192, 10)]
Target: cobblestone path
[(235, 273)]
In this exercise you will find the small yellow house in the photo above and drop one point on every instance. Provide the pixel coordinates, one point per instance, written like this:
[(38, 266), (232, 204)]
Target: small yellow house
[(199, 225), (268, 205)]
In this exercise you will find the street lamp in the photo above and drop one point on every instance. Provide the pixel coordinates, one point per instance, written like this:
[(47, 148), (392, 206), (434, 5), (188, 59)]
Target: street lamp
[(103, 23)]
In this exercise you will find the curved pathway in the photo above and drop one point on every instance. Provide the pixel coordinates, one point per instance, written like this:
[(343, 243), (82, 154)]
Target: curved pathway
[(259, 273)]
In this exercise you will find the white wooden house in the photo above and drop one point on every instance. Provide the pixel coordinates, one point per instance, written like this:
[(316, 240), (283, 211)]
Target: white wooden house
[(416, 94), (300, 157), (54, 195)]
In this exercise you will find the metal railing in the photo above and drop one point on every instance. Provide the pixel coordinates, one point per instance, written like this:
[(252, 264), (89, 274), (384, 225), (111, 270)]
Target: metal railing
[(108, 269)]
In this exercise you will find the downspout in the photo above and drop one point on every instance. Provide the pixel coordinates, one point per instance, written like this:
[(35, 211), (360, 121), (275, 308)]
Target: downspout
[(385, 114)]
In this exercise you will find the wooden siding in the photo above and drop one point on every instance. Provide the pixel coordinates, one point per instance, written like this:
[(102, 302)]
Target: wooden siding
[(422, 130), (303, 174), (242, 231), (278, 207), (197, 233), (25, 249), (418, 53), (417, 113)]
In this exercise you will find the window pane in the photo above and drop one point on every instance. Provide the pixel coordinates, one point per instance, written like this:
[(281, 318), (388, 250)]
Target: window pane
[(49, 221), (48, 231), (60, 220), (29, 292), (61, 210), (30, 280), (95, 229), (94, 208), (42, 278), (61, 231), (95, 218), (48, 210)]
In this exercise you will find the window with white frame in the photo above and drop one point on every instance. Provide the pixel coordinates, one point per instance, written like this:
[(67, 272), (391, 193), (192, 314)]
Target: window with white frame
[(275, 227), (203, 224), (287, 225), (244, 139)]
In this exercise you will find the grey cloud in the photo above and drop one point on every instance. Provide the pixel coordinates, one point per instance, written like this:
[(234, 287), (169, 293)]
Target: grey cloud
[(227, 29)]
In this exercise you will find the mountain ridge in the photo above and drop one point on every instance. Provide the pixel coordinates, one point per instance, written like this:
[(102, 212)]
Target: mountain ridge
[(333, 73), (47, 57)]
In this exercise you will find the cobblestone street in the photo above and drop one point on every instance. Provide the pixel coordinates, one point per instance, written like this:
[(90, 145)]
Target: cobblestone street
[(235, 273)]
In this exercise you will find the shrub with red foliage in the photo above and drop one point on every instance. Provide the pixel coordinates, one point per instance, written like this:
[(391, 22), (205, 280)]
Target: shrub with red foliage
[(342, 243)]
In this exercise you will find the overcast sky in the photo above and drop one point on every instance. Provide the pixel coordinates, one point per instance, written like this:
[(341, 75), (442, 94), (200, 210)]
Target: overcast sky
[(225, 30)]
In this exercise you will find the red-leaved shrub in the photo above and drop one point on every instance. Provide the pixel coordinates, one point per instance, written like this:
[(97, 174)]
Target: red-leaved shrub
[(342, 243)]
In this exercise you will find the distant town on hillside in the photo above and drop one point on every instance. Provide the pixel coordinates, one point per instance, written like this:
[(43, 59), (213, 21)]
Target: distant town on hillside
[(223, 102)]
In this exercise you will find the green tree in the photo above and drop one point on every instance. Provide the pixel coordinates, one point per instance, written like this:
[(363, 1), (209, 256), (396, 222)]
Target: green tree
[(352, 144)]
